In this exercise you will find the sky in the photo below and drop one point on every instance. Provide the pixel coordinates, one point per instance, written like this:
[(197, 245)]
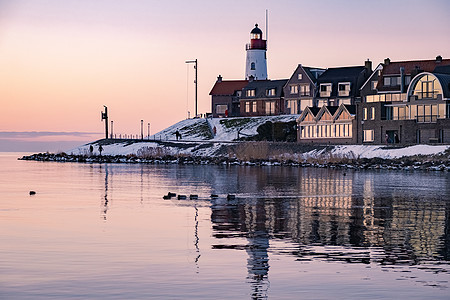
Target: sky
[(62, 61)]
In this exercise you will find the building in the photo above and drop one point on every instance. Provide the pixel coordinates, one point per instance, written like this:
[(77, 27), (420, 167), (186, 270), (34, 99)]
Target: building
[(341, 85), (256, 61), (225, 96), (300, 89), (328, 125), (406, 102), (263, 98)]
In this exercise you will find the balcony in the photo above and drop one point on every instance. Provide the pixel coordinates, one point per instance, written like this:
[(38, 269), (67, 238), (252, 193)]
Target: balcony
[(427, 119)]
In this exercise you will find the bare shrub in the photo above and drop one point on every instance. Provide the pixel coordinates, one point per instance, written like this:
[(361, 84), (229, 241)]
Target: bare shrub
[(252, 150), (152, 152)]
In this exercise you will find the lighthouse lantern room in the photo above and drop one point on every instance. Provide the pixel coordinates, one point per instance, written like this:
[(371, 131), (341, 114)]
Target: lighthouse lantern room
[(256, 63)]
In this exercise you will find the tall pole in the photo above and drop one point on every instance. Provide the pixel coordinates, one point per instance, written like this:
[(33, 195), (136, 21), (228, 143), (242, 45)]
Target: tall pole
[(105, 117), (112, 129), (142, 129), (148, 131), (195, 62)]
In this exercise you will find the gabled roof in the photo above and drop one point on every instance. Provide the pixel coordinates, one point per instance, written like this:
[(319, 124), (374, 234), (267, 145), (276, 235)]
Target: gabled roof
[(330, 109), (350, 109), (260, 87), (379, 67), (308, 110), (228, 87)]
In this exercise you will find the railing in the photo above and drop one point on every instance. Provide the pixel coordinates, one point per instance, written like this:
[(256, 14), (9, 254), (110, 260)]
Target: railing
[(426, 119)]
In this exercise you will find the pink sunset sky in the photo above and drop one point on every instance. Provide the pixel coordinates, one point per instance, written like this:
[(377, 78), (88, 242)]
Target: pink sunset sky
[(61, 61)]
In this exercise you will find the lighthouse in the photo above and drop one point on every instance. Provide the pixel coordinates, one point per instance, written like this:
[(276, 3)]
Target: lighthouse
[(256, 63)]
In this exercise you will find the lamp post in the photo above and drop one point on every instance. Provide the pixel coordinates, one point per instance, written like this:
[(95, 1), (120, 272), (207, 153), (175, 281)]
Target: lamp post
[(112, 129), (142, 129), (196, 81), (148, 131), (105, 117)]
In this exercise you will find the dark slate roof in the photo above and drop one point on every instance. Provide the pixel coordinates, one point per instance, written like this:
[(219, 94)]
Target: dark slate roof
[(444, 79), (228, 87), (442, 69), (344, 74), (260, 87), (332, 109), (256, 30), (351, 109), (310, 74), (314, 110)]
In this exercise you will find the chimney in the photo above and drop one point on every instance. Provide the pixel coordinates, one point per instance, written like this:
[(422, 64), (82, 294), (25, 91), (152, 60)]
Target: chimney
[(402, 79), (438, 59), (219, 78), (368, 66), (387, 61)]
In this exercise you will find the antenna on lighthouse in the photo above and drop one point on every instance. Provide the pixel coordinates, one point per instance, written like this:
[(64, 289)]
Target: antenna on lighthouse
[(267, 26)]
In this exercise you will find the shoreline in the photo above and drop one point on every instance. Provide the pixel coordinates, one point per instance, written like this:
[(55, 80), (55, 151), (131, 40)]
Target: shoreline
[(440, 162)]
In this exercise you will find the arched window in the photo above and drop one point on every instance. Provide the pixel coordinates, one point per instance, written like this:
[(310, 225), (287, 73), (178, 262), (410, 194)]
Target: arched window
[(427, 87), (252, 66)]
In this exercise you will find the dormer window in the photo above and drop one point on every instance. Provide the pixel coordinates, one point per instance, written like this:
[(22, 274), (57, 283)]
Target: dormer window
[(250, 93), (344, 89), (270, 92), (325, 89), (392, 81)]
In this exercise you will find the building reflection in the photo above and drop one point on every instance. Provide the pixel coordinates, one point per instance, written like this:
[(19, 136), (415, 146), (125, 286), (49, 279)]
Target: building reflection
[(321, 208)]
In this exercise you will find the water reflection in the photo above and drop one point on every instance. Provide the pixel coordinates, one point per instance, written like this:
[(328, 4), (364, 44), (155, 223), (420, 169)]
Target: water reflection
[(337, 217)]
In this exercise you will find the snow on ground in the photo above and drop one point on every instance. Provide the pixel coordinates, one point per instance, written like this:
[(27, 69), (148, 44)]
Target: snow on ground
[(367, 151), (195, 130)]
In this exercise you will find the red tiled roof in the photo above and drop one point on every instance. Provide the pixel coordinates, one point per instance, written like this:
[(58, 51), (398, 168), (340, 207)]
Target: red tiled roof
[(393, 68), (228, 87)]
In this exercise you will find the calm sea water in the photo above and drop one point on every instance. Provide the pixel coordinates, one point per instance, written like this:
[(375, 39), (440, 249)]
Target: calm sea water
[(104, 232)]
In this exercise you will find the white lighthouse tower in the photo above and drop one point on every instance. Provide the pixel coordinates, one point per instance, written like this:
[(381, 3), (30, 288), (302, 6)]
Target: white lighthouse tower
[(256, 63)]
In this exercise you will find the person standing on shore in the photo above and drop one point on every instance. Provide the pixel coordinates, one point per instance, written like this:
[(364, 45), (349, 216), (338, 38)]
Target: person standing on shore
[(100, 149)]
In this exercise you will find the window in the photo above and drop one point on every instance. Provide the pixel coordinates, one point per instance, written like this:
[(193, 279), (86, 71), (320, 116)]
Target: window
[(254, 106), (387, 81), (368, 135), (221, 108), (372, 113), (365, 113), (270, 92), (344, 89), (305, 103), (247, 107), (250, 93), (270, 107), (300, 76), (427, 88), (373, 85), (292, 107), (252, 66), (304, 90), (294, 89), (407, 79), (325, 89)]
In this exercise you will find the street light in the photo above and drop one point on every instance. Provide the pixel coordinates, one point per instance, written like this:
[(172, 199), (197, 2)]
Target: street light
[(142, 129), (105, 117), (148, 131), (196, 68)]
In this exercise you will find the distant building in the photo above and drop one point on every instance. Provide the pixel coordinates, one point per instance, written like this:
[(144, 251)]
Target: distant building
[(406, 102), (328, 125), (300, 89), (225, 96), (256, 61), (263, 98), (341, 85)]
